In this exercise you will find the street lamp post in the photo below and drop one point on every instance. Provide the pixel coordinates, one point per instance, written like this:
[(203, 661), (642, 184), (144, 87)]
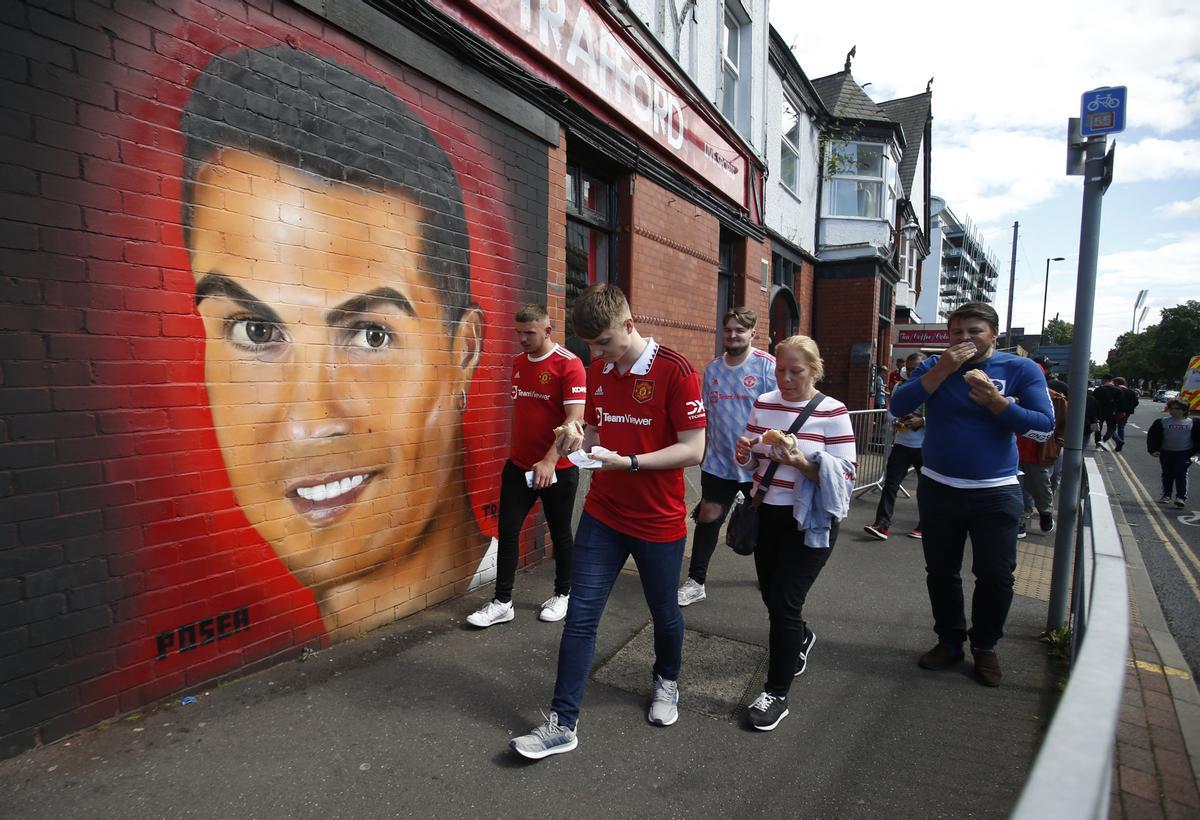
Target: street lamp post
[(1046, 293), (1141, 300)]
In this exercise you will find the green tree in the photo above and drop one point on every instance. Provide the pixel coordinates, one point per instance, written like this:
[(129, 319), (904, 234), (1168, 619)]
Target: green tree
[(1133, 357), (1178, 339), (1058, 332)]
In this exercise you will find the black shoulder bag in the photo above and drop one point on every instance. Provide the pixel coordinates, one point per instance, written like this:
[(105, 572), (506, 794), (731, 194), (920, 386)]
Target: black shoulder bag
[(742, 533)]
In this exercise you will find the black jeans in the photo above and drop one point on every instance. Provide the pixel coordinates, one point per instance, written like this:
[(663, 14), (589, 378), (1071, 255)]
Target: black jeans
[(786, 571), (516, 500), (1175, 465), (704, 540), (990, 516), (898, 462)]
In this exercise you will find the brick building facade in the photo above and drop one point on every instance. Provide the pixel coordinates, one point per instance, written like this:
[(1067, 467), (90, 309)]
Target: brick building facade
[(258, 263)]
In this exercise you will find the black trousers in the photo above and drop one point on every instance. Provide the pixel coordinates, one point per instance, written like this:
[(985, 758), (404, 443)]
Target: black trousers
[(704, 539), (516, 500), (990, 516), (898, 462), (786, 571)]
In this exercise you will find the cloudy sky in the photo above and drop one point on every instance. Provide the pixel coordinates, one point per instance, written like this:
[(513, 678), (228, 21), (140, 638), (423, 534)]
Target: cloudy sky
[(1007, 77)]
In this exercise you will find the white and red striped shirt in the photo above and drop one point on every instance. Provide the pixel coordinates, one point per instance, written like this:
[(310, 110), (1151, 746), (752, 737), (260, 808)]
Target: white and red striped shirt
[(827, 429)]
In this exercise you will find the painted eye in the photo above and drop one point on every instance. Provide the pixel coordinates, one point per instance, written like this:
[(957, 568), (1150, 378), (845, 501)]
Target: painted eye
[(372, 337), (254, 332)]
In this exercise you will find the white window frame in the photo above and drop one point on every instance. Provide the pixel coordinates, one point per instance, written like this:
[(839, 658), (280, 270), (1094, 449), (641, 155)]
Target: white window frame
[(885, 182), (731, 29), (787, 148)]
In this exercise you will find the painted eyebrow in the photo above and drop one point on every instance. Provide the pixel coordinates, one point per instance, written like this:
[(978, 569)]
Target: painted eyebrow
[(366, 302), (217, 284)]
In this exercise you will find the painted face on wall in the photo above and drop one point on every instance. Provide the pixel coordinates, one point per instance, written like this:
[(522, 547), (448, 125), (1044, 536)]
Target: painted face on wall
[(335, 382)]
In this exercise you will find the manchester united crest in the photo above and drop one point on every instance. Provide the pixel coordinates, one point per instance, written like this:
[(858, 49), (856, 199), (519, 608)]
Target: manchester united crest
[(544, 377), (643, 390), (750, 381)]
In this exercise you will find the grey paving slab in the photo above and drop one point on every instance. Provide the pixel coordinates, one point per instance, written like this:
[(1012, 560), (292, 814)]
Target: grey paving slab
[(415, 718)]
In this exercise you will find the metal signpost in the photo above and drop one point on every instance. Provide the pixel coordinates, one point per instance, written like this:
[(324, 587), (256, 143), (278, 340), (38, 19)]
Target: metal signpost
[(1101, 112)]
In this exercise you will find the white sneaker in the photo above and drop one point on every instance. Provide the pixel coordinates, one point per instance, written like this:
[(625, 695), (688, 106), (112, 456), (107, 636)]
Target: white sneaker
[(493, 612), (555, 609), (691, 593)]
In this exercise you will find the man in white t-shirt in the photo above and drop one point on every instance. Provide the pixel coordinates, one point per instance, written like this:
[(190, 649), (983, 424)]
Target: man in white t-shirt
[(731, 384)]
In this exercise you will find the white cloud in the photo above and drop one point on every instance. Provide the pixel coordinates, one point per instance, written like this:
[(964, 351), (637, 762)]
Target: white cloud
[(1157, 159), (1168, 271), (1190, 207), (1008, 75)]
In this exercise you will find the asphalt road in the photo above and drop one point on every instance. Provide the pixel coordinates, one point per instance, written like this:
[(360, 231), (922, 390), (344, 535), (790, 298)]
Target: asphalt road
[(1169, 538)]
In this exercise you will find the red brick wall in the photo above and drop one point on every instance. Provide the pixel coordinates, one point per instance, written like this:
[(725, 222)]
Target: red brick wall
[(673, 280), (846, 312), (135, 563)]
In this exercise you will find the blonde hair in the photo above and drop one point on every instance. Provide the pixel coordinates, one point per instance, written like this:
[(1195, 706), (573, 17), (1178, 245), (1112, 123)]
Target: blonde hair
[(806, 347), (532, 313), (597, 309)]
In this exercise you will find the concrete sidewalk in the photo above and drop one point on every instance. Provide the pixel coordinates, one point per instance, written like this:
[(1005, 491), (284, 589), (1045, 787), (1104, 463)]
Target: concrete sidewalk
[(414, 719)]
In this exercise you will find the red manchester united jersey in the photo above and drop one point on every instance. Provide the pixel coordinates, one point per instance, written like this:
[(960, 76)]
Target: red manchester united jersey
[(540, 389), (639, 412)]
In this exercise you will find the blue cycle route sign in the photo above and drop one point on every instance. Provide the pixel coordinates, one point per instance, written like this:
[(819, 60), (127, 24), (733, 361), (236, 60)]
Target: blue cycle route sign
[(1102, 111)]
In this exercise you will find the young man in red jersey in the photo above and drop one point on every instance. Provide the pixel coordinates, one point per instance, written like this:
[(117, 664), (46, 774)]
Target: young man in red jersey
[(549, 387), (643, 407)]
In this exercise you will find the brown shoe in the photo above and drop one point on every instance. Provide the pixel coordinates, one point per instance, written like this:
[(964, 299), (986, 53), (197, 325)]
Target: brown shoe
[(941, 656), (987, 667)]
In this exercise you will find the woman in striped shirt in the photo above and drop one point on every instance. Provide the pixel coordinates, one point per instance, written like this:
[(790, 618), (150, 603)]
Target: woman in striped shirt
[(785, 565)]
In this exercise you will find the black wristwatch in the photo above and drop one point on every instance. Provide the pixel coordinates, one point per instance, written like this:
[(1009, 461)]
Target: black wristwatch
[(633, 465)]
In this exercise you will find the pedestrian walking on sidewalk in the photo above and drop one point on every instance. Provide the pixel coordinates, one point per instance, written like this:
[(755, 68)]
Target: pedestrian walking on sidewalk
[(645, 423), (1174, 441), (1037, 488), (1109, 398), (796, 532), (549, 388), (905, 455), (731, 384), (1126, 406), (977, 400)]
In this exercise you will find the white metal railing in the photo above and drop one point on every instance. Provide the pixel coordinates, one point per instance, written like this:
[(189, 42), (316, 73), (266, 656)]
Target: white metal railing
[(873, 441), (1072, 773)]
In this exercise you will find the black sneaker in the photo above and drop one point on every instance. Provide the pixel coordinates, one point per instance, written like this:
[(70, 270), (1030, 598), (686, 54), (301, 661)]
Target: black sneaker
[(1046, 520), (766, 712), (1021, 529), (805, 648)]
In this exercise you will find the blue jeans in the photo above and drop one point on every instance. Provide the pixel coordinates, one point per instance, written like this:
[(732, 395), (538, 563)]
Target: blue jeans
[(990, 516), (600, 552)]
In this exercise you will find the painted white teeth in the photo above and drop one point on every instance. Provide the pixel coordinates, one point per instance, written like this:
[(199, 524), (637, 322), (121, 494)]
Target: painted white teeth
[(324, 492)]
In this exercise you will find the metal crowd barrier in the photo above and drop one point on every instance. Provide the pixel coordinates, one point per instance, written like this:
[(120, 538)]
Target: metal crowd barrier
[(1072, 773), (873, 436)]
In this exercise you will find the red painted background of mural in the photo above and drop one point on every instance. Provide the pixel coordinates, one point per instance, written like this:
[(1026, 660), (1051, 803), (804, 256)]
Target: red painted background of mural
[(116, 511)]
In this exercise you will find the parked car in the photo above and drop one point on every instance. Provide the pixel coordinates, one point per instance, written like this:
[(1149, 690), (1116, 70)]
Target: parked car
[(1166, 395)]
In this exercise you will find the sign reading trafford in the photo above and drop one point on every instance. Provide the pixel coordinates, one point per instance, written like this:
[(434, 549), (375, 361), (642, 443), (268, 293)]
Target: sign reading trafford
[(581, 43)]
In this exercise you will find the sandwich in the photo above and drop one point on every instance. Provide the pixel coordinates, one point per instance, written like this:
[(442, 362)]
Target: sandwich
[(977, 377), (774, 438)]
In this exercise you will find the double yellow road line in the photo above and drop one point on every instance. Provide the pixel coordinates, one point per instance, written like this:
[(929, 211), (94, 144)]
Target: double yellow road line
[(1176, 546)]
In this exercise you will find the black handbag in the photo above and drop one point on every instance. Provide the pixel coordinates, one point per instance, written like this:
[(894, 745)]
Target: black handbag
[(742, 533)]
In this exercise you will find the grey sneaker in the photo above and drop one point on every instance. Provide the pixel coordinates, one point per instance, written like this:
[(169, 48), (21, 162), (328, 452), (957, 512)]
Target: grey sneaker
[(547, 739), (493, 612), (664, 705), (691, 593)]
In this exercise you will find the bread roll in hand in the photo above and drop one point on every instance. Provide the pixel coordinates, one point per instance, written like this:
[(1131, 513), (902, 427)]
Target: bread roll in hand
[(775, 438), (977, 377)]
